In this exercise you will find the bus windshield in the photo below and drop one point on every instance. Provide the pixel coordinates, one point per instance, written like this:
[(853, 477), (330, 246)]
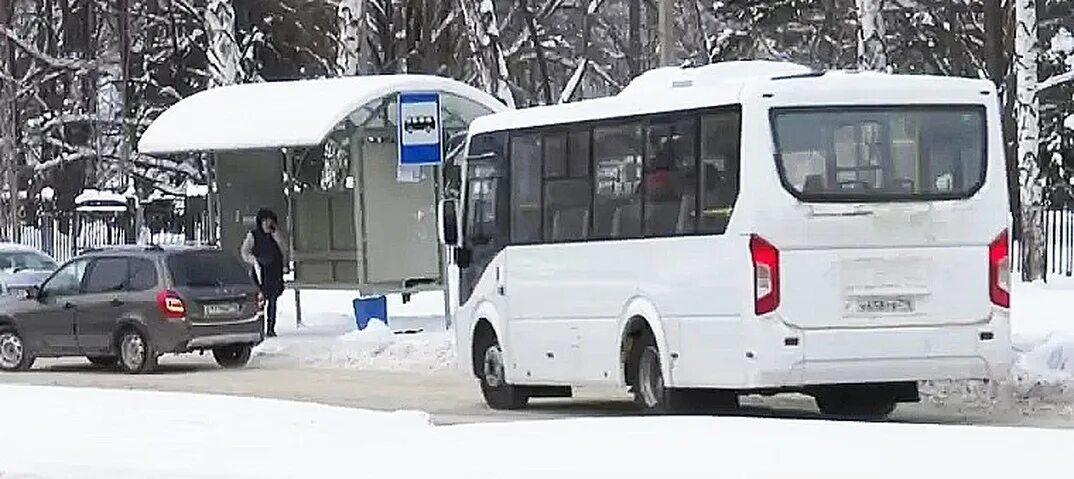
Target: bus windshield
[(881, 153)]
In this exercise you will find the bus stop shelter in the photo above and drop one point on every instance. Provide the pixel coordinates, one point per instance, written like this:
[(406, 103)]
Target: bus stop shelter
[(355, 186)]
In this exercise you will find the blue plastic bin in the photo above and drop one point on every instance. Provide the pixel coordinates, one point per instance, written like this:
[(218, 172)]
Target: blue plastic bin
[(369, 308)]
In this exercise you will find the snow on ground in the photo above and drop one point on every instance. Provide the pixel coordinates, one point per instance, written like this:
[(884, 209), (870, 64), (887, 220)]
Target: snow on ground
[(1042, 327), (1042, 335), (62, 433), (330, 338)]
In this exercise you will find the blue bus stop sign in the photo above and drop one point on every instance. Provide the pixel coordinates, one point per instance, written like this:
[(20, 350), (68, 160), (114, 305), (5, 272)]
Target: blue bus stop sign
[(419, 129)]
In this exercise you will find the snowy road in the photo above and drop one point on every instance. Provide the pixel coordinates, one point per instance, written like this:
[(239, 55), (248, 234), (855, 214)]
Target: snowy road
[(452, 398)]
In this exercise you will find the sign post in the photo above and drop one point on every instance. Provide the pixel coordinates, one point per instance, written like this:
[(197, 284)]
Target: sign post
[(419, 129)]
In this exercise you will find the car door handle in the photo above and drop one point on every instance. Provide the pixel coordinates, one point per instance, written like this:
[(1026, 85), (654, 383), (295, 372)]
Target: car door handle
[(116, 302), (68, 305)]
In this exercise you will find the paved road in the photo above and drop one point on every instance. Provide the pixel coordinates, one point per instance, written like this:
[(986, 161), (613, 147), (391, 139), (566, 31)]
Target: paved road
[(449, 396)]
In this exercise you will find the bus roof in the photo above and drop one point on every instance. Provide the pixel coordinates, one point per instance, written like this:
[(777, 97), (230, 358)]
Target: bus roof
[(729, 83)]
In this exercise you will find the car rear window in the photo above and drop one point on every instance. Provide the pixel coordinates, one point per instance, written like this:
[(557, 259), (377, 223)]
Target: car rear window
[(208, 268), (876, 154)]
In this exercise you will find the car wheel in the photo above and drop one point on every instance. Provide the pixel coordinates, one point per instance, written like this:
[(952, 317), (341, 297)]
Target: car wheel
[(235, 356), (103, 361), (14, 355), (494, 387), (136, 353)]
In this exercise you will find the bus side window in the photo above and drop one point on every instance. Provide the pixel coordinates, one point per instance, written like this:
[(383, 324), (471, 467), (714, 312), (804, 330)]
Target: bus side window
[(617, 200), (719, 170), (566, 186), (670, 177), (525, 188)]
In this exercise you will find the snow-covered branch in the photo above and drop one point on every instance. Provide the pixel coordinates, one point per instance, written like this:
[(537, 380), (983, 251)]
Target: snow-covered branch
[(80, 66), (1055, 81)]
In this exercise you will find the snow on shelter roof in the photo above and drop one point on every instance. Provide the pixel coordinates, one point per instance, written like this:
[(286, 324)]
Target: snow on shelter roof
[(285, 113)]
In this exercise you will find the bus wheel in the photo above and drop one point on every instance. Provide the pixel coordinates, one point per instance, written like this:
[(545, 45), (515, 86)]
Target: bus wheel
[(854, 403), (498, 394), (650, 391)]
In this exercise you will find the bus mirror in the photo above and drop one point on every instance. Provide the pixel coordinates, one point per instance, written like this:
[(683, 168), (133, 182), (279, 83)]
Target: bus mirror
[(449, 222), (462, 257)]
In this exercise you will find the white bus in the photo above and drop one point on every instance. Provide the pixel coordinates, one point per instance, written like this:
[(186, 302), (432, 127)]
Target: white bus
[(740, 228)]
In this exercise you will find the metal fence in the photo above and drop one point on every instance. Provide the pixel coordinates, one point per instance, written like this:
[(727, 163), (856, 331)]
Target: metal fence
[(64, 236)]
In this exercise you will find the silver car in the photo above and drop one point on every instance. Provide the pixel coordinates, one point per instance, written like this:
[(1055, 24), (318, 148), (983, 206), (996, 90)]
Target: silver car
[(23, 267)]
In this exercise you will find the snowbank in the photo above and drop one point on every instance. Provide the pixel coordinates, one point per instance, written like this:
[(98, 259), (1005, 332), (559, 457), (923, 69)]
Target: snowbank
[(329, 337), (1042, 327), (1042, 376), (87, 434)]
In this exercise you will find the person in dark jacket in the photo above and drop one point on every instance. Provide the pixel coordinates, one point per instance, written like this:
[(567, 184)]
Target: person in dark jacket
[(264, 249)]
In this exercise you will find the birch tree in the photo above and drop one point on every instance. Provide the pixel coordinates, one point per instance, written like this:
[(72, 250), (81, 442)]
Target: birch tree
[(110, 141), (872, 51), (7, 122), (352, 37), (223, 51), (1029, 173), (488, 58)]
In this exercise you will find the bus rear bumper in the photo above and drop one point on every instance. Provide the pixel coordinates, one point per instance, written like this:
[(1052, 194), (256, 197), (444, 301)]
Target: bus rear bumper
[(855, 356)]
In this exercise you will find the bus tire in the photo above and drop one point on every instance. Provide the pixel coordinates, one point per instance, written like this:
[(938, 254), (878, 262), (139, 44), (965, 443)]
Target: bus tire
[(854, 403), (650, 391), (494, 387)]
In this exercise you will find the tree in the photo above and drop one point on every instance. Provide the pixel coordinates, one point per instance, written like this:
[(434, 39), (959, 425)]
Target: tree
[(1032, 242), (488, 57), (223, 48), (8, 120), (353, 24), (872, 51)]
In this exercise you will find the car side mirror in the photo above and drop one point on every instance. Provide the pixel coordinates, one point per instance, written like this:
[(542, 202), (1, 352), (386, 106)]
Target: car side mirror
[(448, 219)]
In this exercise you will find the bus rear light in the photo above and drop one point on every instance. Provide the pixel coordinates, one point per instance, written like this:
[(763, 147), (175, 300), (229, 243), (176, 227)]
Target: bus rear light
[(765, 258), (999, 271)]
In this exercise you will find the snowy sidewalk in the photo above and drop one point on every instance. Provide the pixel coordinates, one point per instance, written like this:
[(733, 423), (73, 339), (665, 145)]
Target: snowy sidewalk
[(330, 339), (60, 433)]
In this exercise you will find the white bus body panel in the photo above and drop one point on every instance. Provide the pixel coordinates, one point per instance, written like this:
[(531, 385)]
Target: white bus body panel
[(561, 313)]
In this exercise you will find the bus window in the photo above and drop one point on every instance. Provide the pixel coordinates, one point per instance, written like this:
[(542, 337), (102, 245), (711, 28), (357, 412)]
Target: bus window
[(671, 178), (617, 199), (566, 187), (878, 154), (719, 170), (525, 188)]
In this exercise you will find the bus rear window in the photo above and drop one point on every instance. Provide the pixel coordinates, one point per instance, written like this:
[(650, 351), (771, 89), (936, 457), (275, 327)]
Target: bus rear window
[(881, 153)]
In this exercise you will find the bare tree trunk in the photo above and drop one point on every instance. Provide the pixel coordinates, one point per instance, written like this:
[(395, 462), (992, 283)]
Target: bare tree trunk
[(9, 216), (872, 52), (223, 49), (538, 50), (995, 16), (1030, 178), (634, 38), (352, 37), (110, 141), (666, 31)]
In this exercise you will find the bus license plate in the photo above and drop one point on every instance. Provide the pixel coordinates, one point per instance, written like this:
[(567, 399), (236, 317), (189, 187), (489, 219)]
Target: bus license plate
[(881, 305), (221, 309)]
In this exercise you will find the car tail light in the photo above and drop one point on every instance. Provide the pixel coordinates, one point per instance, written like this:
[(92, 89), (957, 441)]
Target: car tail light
[(171, 304), (999, 271), (765, 275)]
